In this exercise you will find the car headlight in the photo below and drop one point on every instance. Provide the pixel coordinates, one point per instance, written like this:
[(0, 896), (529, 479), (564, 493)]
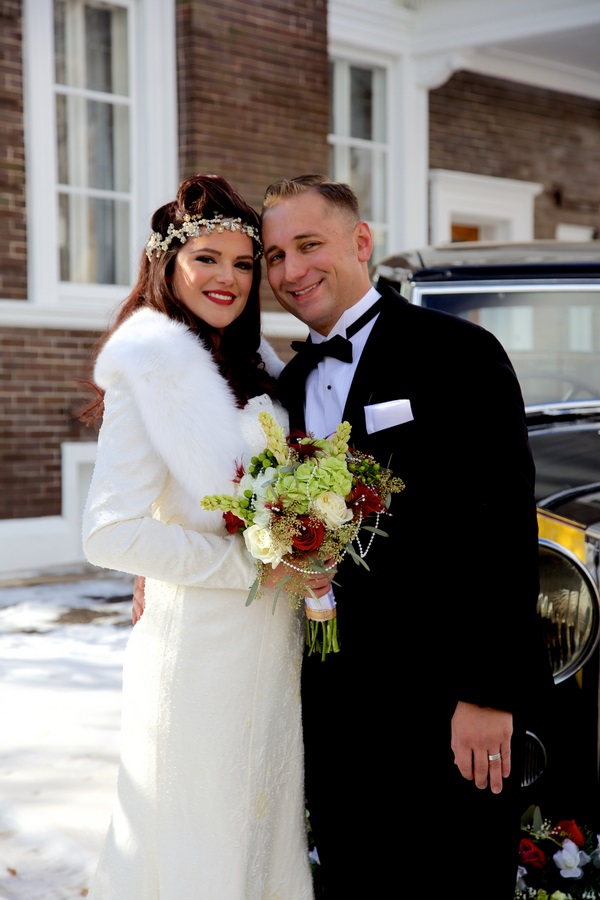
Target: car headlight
[(569, 606)]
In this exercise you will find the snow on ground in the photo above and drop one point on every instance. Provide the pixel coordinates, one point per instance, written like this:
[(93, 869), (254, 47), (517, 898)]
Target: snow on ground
[(62, 637)]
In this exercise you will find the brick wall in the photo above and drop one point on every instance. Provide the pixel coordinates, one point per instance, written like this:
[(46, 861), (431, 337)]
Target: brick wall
[(253, 92), (40, 401), (13, 260), (491, 127)]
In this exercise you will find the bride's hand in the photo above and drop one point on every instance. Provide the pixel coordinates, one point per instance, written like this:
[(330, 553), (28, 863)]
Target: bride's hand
[(317, 582), (139, 598)]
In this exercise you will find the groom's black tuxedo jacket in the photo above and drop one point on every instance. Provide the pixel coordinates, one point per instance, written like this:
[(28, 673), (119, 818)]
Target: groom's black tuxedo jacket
[(447, 610)]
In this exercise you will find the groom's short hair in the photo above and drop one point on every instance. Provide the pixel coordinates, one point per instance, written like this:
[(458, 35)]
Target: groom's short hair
[(335, 192)]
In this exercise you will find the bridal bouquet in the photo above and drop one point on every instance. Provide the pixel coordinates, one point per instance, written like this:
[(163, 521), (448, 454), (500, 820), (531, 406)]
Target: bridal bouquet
[(557, 862), (303, 503)]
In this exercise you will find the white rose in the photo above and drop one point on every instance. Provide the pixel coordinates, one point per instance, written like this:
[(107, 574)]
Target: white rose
[(331, 509), (259, 543)]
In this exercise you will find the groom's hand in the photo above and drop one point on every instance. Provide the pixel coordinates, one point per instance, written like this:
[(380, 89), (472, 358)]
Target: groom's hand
[(477, 733)]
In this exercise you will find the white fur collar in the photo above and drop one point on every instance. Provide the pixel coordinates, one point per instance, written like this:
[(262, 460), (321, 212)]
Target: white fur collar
[(188, 409)]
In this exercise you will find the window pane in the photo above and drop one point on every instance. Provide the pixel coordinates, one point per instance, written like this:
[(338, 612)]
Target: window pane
[(60, 41), (108, 146), (460, 232), (98, 50), (361, 103), (361, 179), (332, 70), (90, 44), (61, 139), (90, 230), (93, 143)]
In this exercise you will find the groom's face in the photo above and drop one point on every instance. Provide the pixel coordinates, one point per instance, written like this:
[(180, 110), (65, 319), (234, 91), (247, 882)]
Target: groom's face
[(316, 258)]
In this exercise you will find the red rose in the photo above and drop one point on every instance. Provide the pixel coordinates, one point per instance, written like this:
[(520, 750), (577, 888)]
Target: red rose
[(531, 855), (568, 828), (232, 523), (309, 535), (365, 499)]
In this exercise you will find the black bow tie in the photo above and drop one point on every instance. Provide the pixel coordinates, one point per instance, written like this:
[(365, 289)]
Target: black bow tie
[(337, 346)]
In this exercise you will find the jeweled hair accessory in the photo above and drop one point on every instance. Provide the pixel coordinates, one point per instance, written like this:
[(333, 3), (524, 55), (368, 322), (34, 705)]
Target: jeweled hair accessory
[(194, 226)]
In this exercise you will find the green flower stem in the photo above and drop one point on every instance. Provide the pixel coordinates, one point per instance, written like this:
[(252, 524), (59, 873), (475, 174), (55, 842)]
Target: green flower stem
[(322, 637)]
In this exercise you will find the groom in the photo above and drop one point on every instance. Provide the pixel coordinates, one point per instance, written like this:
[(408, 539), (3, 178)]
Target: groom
[(414, 731)]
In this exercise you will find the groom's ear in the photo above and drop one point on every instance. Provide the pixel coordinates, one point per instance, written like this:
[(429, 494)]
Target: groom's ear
[(364, 242)]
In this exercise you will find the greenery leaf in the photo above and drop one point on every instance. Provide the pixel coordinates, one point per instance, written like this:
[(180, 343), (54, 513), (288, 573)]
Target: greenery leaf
[(355, 556), (253, 592), (375, 530)]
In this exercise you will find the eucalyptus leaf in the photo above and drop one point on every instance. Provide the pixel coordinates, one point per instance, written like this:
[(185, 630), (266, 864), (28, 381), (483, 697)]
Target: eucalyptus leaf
[(375, 530), (253, 592), (357, 558)]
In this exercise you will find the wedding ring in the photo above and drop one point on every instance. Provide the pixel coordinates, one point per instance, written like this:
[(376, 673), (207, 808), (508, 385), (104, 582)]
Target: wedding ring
[(493, 756)]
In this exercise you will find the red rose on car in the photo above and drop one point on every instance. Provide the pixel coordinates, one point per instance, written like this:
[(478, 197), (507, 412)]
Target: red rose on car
[(531, 855), (309, 534), (568, 828)]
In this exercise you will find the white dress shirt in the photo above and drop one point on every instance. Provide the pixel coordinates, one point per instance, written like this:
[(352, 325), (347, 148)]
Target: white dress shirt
[(328, 384), (327, 389)]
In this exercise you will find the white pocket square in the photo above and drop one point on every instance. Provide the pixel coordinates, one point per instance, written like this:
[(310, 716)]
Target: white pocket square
[(385, 415)]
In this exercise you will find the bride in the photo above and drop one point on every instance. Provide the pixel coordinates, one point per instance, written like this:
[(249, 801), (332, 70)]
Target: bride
[(210, 800)]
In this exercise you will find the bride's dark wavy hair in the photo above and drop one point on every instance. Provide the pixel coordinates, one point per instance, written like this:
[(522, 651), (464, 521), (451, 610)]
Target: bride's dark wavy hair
[(236, 352)]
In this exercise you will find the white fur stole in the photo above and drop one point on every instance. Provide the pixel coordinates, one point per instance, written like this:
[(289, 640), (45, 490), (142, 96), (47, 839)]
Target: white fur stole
[(188, 409)]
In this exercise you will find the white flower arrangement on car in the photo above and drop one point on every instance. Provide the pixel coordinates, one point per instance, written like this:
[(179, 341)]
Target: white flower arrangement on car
[(557, 862)]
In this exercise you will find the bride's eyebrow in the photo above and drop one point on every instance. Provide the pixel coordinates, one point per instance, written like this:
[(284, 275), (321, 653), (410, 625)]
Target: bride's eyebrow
[(220, 253)]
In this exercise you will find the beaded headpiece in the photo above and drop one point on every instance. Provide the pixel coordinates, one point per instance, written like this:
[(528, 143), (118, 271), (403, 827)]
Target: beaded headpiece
[(194, 226)]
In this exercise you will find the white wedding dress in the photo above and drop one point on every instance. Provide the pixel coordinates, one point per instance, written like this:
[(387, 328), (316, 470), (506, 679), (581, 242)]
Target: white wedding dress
[(210, 802)]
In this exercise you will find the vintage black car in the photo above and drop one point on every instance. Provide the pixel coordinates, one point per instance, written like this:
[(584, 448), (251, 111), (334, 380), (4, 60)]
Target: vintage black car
[(542, 300)]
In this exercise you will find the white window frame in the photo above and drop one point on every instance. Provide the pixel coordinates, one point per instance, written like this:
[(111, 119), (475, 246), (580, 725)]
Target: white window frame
[(343, 61), (502, 208), (153, 165), (566, 232), (48, 541)]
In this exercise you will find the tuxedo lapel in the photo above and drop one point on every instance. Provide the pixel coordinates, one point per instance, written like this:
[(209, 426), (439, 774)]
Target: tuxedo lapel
[(382, 352)]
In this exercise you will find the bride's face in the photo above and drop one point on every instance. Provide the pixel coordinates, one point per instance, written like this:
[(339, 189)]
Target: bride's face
[(213, 276)]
